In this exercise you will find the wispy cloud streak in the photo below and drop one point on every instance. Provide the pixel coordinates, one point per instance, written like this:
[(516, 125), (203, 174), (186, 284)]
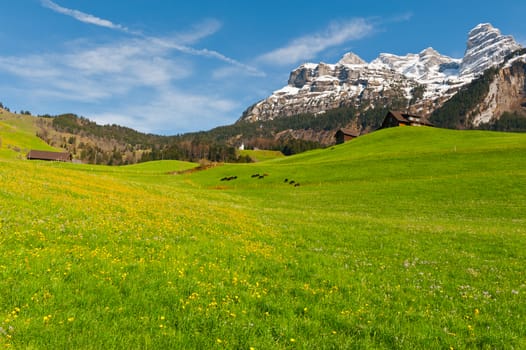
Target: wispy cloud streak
[(198, 31), (178, 43), (170, 44), (154, 71), (83, 17), (307, 47)]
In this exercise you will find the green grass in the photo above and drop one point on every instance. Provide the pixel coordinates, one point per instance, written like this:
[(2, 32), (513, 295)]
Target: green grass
[(406, 238), (261, 155), (18, 135)]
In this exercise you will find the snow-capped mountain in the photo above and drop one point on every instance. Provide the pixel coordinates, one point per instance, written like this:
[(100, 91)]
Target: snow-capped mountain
[(426, 79), (486, 48)]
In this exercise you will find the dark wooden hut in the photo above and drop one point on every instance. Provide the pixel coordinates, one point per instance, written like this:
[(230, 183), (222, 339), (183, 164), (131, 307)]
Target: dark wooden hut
[(393, 119), (344, 135), (47, 155)]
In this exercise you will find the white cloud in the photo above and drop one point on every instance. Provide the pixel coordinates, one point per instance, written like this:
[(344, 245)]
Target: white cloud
[(31, 67), (135, 63), (171, 44), (91, 74), (199, 31), (137, 82), (82, 17), (178, 42), (307, 47), (172, 111), (144, 82)]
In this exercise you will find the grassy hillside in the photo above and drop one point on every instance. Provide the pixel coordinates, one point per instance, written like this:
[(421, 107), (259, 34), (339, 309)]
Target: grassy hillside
[(401, 239), (261, 155), (17, 135)]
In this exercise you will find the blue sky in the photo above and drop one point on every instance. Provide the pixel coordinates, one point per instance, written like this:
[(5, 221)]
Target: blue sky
[(170, 67)]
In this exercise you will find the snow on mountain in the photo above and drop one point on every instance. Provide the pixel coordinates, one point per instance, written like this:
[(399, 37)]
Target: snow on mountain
[(425, 66), (438, 73), (315, 88), (350, 59), (486, 47)]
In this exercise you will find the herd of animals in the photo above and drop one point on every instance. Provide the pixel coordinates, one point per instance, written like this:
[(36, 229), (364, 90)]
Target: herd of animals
[(261, 176)]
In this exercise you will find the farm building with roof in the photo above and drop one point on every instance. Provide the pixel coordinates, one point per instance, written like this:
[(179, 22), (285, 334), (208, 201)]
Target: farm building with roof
[(47, 155), (344, 135), (393, 119)]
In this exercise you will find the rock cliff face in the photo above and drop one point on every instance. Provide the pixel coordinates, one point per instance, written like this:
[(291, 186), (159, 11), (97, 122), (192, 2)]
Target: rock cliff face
[(315, 88), (507, 93), (425, 80)]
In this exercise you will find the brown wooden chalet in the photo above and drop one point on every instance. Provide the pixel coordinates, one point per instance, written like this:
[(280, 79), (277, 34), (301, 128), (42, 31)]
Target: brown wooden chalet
[(47, 155), (344, 135), (393, 119)]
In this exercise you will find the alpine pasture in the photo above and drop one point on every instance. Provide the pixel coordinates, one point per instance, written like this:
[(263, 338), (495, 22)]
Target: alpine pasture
[(406, 238)]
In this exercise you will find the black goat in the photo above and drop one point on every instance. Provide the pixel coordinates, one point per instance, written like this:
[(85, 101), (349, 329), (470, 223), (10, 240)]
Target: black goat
[(229, 178)]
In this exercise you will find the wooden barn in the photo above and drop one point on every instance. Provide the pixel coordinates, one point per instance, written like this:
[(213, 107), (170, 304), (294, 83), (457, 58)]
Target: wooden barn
[(344, 135), (47, 155), (393, 119)]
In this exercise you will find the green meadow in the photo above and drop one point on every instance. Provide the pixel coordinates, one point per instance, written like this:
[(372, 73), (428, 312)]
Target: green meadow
[(17, 135), (261, 155), (406, 238)]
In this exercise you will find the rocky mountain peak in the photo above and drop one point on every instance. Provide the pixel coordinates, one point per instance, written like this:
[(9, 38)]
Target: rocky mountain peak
[(351, 58), (428, 52), (486, 47), (482, 33), (433, 56)]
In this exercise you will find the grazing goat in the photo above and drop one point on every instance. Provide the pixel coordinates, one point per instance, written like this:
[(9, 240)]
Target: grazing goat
[(229, 178)]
